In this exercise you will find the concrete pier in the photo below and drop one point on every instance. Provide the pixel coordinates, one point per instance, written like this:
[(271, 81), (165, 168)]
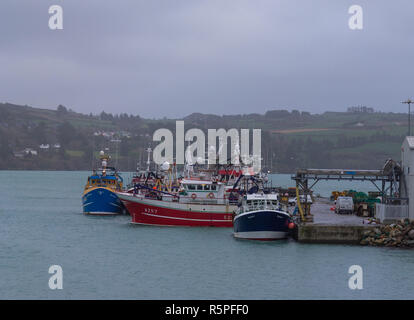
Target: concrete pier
[(329, 227), (314, 233)]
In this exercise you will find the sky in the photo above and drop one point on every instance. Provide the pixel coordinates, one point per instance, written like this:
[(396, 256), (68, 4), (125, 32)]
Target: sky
[(171, 58)]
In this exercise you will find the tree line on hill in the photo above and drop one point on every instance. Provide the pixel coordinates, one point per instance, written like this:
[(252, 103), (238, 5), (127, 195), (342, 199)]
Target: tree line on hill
[(81, 137)]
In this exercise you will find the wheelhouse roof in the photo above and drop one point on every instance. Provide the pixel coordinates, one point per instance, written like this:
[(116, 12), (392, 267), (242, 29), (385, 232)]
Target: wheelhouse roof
[(187, 181), (257, 196), (103, 177)]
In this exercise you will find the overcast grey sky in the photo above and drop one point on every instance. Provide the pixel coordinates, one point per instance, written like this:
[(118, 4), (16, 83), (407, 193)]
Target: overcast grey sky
[(174, 57)]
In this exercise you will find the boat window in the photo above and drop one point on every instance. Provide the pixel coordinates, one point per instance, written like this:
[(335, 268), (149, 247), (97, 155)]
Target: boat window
[(261, 203), (207, 187), (199, 187)]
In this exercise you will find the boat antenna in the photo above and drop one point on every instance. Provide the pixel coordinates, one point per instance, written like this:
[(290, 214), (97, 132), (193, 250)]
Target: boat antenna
[(409, 102), (149, 150), (93, 151), (116, 141), (116, 153)]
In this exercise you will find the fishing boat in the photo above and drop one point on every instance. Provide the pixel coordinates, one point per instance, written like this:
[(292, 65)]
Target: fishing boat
[(99, 196), (143, 177), (203, 196), (260, 217), (146, 177), (196, 203)]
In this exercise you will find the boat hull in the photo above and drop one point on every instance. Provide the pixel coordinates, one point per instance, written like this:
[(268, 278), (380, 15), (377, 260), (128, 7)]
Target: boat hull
[(102, 201), (262, 225), (169, 213)]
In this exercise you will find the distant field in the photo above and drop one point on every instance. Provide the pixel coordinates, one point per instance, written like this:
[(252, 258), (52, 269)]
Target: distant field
[(377, 148), (75, 153), (287, 131), (333, 133)]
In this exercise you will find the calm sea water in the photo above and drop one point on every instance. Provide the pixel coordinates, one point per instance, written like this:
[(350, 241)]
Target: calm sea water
[(41, 224)]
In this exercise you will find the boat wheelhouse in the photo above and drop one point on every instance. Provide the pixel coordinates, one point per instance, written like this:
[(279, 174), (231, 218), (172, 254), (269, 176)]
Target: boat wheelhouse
[(194, 190)]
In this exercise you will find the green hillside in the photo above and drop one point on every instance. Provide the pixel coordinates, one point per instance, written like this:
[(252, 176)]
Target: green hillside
[(289, 139)]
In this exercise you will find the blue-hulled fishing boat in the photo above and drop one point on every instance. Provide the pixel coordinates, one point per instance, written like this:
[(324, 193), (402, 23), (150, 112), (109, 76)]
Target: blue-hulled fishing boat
[(99, 197), (260, 217)]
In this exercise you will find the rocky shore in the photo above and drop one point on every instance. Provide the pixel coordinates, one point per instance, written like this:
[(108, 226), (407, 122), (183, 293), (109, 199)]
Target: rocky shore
[(399, 234)]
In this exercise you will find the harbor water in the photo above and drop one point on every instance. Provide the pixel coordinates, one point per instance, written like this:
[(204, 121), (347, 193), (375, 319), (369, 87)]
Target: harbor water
[(41, 224)]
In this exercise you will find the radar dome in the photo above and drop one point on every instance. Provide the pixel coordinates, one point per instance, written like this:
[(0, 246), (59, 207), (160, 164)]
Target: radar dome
[(165, 166)]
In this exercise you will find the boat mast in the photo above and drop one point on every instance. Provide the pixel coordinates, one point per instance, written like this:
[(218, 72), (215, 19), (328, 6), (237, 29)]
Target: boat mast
[(149, 150)]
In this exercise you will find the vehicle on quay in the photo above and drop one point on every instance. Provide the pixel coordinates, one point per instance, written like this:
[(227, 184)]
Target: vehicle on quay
[(344, 205), (293, 201)]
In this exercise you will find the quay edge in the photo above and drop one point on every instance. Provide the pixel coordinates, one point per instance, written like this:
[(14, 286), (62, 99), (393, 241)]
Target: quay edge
[(334, 234)]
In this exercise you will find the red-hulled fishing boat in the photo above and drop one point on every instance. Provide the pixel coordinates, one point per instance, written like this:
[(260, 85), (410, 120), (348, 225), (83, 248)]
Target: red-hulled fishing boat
[(198, 203)]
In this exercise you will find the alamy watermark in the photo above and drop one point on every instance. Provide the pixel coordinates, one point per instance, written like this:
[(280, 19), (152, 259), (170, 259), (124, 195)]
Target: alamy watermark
[(56, 280), (356, 280), (196, 152), (56, 18), (356, 21)]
